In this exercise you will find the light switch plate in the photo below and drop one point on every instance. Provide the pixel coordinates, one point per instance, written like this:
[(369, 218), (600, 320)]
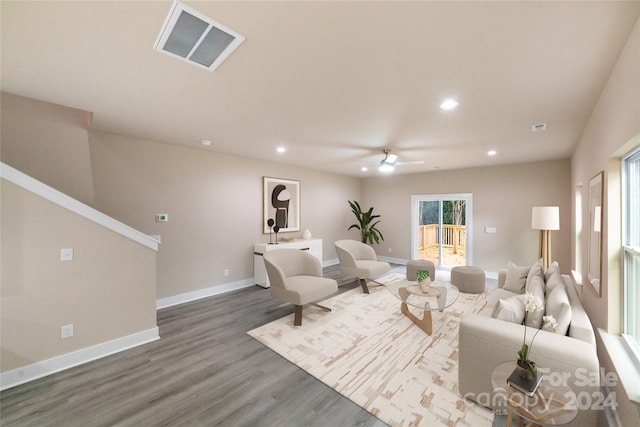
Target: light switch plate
[(66, 254), (66, 331), (490, 230)]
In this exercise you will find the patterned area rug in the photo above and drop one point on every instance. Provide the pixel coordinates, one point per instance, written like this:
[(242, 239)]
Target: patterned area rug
[(369, 352)]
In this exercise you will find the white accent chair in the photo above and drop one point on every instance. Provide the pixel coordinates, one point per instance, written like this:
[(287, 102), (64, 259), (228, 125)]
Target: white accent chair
[(296, 278), (360, 260)]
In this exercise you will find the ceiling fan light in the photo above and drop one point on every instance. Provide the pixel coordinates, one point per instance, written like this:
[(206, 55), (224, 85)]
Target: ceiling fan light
[(386, 167)]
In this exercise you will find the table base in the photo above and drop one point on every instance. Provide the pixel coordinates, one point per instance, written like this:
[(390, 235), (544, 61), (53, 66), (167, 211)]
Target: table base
[(425, 323)]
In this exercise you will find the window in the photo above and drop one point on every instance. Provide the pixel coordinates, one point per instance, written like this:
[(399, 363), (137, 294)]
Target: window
[(631, 250)]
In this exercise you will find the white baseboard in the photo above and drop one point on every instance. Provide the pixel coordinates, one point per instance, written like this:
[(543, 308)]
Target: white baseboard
[(60, 363), (330, 262), (393, 260), (203, 293)]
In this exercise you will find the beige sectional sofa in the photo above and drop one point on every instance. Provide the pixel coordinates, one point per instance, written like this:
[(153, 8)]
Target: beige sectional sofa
[(486, 340)]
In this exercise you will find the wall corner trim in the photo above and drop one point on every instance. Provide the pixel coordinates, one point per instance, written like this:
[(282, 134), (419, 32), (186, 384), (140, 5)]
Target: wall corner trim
[(60, 363), (49, 193)]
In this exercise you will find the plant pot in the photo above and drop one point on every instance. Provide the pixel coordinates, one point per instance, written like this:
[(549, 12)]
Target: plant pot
[(524, 372), (425, 284)]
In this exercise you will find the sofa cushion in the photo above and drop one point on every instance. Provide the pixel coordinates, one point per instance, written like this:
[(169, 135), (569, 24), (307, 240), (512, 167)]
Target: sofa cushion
[(536, 288), (554, 280), (535, 271), (553, 268), (516, 279), (557, 305), (510, 309)]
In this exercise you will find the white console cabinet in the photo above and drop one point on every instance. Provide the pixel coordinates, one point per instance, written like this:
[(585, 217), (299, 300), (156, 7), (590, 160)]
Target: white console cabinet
[(314, 246)]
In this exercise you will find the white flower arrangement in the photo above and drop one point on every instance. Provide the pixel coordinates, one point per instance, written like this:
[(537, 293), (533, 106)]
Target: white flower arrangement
[(533, 303)]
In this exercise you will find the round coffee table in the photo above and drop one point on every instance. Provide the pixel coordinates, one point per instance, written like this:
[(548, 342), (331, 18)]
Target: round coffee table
[(549, 406), (439, 296)]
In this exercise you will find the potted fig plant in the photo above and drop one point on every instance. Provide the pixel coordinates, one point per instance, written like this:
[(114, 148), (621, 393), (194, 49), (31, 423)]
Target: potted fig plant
[(367, 223)]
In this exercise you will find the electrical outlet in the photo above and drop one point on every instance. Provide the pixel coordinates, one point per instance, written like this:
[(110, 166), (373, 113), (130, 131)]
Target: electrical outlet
[(389, 250), (226, 272), (66, 331)]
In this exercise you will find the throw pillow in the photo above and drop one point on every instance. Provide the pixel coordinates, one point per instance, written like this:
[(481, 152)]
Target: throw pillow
[(553, 281), (535, 271), (557, 305), (510, 309), (553, 268), (536, 288), (516, 279)]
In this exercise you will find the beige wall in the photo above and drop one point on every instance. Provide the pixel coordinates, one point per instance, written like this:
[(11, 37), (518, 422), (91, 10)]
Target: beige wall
[(106, 292), (214, 203), (613, 127), (502, 197), (47, 142)]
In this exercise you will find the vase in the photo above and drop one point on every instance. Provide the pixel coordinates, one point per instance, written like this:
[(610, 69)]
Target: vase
[(524, 373), (306, 234), (425, 284)]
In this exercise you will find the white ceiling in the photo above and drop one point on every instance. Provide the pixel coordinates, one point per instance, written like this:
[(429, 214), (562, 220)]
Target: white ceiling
[(334, 82)]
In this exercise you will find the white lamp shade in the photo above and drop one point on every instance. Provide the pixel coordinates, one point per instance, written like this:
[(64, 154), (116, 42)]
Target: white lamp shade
[(545, 218)]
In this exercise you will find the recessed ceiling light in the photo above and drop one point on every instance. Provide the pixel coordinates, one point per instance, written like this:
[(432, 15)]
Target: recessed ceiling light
[(205, 142), (364, 169), (281, 150), (449, 104), (492, 153)]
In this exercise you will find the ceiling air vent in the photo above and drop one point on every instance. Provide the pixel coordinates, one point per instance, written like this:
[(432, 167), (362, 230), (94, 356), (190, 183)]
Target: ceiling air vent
[(192, 37), (539, 127)]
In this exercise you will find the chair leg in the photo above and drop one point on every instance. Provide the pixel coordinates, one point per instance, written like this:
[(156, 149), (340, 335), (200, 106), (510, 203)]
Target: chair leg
[(363, 284), (297, 316), (322, 307)]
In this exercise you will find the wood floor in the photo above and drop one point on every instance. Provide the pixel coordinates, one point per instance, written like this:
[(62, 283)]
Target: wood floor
[(205, 371)]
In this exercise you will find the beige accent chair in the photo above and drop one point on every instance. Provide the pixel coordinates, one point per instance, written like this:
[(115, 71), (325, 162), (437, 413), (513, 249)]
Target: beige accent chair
[(360, 260), (296, 278)]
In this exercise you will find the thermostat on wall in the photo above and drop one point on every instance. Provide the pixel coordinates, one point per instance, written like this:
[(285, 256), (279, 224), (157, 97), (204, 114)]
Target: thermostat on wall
[(162, 217)]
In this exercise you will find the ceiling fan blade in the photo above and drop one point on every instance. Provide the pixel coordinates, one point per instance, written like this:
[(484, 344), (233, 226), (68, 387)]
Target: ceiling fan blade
[(413, 162)]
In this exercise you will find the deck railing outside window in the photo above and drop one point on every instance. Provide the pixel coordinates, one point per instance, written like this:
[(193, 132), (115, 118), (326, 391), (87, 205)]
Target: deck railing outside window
[(452, 236)]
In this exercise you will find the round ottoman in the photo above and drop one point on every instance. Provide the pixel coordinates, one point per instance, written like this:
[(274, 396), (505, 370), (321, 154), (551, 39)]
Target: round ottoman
[(420, 264), (468, 279)]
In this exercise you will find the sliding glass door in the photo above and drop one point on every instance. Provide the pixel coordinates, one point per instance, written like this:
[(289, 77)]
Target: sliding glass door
[(441, 229)]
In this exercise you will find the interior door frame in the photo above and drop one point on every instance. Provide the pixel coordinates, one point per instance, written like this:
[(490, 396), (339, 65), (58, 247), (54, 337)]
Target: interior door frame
[(415, 220)]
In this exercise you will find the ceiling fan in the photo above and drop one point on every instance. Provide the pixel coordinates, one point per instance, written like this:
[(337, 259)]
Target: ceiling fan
[(389, 162)]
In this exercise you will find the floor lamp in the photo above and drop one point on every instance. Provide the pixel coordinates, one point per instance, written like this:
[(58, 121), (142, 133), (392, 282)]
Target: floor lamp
[(545, 218)]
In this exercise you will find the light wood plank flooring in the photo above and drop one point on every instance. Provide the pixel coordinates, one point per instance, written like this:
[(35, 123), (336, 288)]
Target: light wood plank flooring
[(205, 371)]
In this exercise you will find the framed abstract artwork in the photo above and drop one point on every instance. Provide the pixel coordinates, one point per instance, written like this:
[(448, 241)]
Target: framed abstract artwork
[(280, 205)]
